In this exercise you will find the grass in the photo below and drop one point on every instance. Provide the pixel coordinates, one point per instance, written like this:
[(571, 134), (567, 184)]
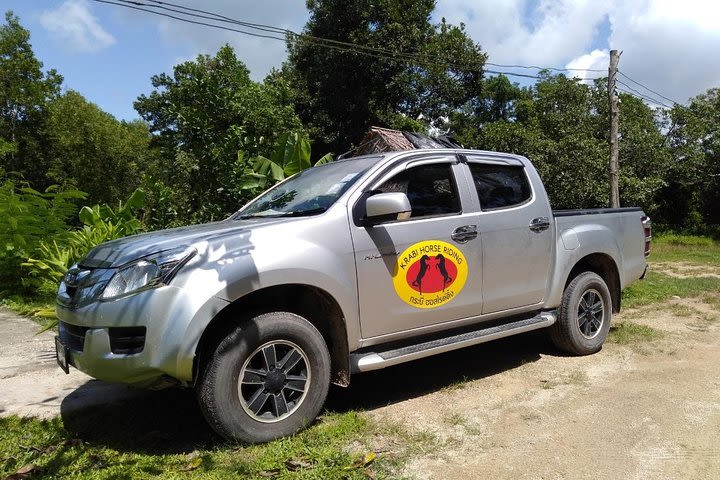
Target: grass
[(671, 247), (658, 287), (626, 333), (336, 447)]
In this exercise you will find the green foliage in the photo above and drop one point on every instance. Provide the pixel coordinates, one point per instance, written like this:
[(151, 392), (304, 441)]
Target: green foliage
[(626, 333), (201, 115), (101, 223), (24, 96), (658, 287), (671, 247), (27, 217), (340, 94), (90, 148), (561, 125), (146, 442), (291, 155), (690, 200)]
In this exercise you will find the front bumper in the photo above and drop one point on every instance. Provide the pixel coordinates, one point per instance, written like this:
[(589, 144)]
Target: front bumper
[(142, 339), (95, 357)]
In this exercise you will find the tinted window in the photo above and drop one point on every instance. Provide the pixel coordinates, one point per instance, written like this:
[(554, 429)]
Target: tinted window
[(430, 189), (500, 186)]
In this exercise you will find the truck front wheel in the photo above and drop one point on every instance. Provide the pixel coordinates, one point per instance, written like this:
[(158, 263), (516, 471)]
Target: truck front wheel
[(267, 379), (584, 316)]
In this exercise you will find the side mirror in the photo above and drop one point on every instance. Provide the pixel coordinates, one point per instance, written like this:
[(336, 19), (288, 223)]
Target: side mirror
[(383, 207)]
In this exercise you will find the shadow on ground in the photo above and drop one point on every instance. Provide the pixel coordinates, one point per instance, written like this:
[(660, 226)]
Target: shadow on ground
[(170, 421), (413, 379), (157, 422)]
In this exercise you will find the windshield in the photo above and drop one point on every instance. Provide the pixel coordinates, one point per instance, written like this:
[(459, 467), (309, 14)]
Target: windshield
[(309, 192)]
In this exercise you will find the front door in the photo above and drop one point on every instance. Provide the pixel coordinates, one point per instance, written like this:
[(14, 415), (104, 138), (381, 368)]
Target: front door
[(425, 270)]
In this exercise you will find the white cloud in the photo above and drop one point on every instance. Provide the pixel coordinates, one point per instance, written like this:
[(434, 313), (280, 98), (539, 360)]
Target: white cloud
[(75, 26), (667, 45), (583, 65), (548, 32)]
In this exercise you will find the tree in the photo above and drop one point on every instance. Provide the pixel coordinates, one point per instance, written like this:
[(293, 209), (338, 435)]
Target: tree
[(561, 125), (25, 92), (91, 150), (342, 93), (201, 116), (692, 195)]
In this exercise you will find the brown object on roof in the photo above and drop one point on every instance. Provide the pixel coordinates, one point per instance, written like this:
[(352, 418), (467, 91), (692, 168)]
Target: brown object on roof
[(378, 140)]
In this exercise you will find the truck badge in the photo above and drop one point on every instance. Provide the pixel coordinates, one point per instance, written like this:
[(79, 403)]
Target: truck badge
[(429, 274)]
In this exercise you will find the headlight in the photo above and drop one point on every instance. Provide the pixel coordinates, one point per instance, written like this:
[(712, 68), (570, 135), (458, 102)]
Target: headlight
[(147, 272)]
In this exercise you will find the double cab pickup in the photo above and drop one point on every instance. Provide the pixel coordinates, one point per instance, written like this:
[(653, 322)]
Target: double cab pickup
[(347, 267)]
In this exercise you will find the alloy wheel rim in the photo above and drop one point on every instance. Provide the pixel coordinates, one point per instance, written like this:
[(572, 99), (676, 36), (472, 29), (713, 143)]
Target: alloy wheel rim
[(273, 381), (590, 313)]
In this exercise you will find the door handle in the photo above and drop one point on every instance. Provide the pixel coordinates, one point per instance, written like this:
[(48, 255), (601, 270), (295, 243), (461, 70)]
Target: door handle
[(539, 224), (465, 233)]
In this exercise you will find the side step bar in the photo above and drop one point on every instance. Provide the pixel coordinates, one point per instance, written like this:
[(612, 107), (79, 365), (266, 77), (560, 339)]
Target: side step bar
[(364, 362)]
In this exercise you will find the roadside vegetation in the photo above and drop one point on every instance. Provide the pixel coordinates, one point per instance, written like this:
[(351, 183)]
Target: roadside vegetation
[(702, 252), (338, 446)]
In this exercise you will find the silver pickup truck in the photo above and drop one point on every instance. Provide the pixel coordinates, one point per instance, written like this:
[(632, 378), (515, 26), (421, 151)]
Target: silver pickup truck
[(344, 268)]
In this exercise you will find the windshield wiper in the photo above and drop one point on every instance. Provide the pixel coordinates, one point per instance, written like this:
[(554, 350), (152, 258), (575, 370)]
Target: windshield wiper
[(298, 213)]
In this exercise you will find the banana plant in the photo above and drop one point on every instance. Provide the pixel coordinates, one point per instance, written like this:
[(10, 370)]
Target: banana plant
[(291, 155)]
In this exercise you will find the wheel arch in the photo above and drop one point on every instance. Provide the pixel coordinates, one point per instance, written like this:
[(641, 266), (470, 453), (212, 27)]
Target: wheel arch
[(603, 265), (310, 302)]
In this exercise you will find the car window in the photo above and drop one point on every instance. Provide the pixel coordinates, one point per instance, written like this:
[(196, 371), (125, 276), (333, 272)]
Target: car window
[(430, 189), (309, 192), (500, 186)]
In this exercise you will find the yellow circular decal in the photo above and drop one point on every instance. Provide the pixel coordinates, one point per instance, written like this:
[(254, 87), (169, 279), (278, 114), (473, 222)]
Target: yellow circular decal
[(429, 274)]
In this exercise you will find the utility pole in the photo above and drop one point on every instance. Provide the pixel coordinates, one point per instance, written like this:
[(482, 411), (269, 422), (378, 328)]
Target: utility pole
[(614, 118)]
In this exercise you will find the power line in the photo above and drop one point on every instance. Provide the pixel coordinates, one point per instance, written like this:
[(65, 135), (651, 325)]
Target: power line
[(135, 7), (326, 43), (641, 95), (649, 89), (190, 15), (317, 41), (536, 67), (271, 28)]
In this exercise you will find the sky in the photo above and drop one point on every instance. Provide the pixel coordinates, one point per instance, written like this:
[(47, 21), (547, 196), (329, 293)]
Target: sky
[(109, 53)]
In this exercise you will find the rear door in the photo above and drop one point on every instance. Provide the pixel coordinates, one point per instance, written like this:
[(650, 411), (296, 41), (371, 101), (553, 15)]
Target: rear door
[(514, 223), (425, 270)]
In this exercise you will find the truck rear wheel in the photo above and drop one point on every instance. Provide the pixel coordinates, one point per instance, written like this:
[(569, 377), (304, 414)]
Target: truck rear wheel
[(584, 316), (267, 379)]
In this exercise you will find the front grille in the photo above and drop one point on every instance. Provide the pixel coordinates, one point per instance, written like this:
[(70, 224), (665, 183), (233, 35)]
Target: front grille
[(72, 336), (127, 340)]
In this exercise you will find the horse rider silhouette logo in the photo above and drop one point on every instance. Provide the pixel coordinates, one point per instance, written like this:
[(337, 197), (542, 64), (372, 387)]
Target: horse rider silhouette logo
[(429, 274)]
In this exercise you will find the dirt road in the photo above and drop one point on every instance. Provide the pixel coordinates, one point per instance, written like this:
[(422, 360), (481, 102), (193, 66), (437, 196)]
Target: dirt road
[(517, 409), (31, 383)]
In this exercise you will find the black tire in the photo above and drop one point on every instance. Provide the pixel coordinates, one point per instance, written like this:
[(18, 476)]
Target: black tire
[(584, 316), (252, 411)]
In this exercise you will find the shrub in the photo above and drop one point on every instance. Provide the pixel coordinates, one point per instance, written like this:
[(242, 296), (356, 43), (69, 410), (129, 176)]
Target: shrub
[(28, 217), (101, 223)]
